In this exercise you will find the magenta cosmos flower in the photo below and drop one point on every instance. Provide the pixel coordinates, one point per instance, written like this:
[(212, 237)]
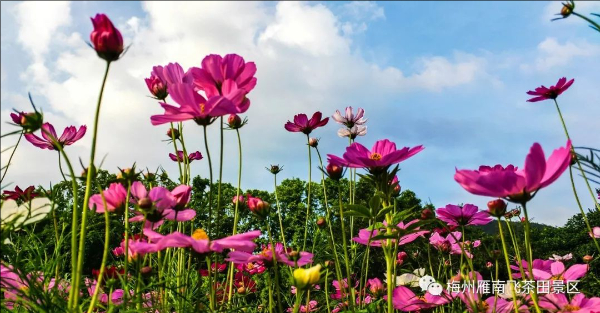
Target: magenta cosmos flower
[(115, 197), (159, 204), (193, 106), (514, 184), (180, 157), (303, 124), (18, 194), (266, 256), (466, 215), (349, 119), (218, 71), (543, 93), (50, 139), (106, 39), (405, 300), (365, 234), (558, 302), (451, 243), (382, 155), (163, 76), (551, 270)]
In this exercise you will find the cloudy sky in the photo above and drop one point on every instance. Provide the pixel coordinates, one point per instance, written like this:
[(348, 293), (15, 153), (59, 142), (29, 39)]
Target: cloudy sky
[(449, 76)]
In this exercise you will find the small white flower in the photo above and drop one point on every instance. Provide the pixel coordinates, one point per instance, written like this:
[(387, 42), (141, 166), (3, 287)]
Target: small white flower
[(29, 212)]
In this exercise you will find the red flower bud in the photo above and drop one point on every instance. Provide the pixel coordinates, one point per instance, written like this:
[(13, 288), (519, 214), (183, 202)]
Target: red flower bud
[(334, 172), (313, 142), (234, 121), (173, 133), (106, 39), (588, 259), (321, 222), (497, 208), (427, 214)]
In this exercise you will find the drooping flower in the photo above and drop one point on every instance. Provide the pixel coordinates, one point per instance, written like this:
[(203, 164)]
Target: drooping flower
[(595, 232), (405, 300), (543, 93), (304, 125), (180, 157), (556, 257), (19, 194), (349, 119), (193, 106), (514, 184), (558, 302), (50, 139), (115, 197), (379, 158), (289, 257), (30, 121), (365, 234), (467, 215), (106, 38)]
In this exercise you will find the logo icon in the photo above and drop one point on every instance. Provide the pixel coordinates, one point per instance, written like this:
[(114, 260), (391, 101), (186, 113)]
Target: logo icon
[(428, 283)]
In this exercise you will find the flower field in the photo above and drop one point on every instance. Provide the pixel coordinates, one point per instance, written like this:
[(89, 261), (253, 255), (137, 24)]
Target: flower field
[(345, 238)]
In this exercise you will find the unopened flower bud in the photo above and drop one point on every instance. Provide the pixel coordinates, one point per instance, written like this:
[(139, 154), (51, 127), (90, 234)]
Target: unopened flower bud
[(497, 208), (275, 169), (401, 258), (234, 121), (145, 203), (329, 263), (305, 278), (106, 39), (321, 222), (588, 258), (313, 142), (259, 207), (242, 290), (523, 219), (173, 133), (150, 176), (427, 214), (566, 10), (30, 122), (447, 263), (334, 172), (573, 158), (146, 271), (489, 264), (293, 256)]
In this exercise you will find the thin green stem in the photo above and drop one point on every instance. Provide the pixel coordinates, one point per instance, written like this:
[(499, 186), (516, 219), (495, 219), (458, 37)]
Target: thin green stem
[(176, 152), (104, 253), (11, 156), (505, 250), (60, 168), (345, 245), (279, 214), (235, 214), (585, 219), (88, 191), (307, 193), (126, 253), (586, 19), (210, 171), (530, 256)]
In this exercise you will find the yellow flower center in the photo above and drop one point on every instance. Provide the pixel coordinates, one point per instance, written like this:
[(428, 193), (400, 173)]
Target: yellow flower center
[(570, 308), (375, 156), (422, 298), (200, 234), (202, 105)]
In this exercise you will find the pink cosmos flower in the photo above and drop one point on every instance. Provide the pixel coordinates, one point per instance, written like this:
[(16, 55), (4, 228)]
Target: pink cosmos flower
[(193, 106), (381, 156), (551, 270), (405, 300), (349, 119), (513, 184), (180, 157), (463, 216), (303, 124), (106, 39), (266, 256), (251, 268), (18, 117), (116, 296), (375, 286), (163, 76), (217, 71), (19, 194), (115, 197), (558, 302), (131, 254), (365, 233), (543, 93), (215, 267), (451, 243), (595, 232), (50, 139), (161, 204), (340, 288)]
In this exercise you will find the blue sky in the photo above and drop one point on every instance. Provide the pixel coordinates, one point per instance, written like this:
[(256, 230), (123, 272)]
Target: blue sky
[(449, 75)]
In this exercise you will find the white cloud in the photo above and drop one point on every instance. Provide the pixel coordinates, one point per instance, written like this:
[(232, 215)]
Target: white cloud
[(38, 23), (551, 53), (438, 72)]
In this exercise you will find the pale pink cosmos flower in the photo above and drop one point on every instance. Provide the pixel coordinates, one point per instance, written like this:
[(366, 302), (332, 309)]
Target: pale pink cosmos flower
[(115, 197), (352, 133), (365, 234), (466, 215), (405, 300), (514, 184), (556, 257), (349, 119), (558, 302), (50, 139), (340, 287), (595, 232), (312, 307), (266, 256), (380, 157)]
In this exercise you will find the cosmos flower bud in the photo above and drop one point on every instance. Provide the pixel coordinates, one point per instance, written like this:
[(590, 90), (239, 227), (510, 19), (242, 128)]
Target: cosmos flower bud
[(259, 207), (321, 222), (573, 158), (157, 87), (106, 39), (376, 286), (241, 290), (497, 208), (401, 258), (334, 172), (294, 256), (427, 214), (447, 263), (30, 122), (313, 142), (523, 219), (173, 133), (567, 9), (275, 169), (489, 264), (588, 258), (146, 271), (150, 176), (145, 203), (329, 263), (234, 121), (305, 278)]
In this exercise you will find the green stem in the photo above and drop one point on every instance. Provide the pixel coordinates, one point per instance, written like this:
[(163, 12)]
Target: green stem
[(279, 214), (210, 171), (562, 120), (505, 250), (88, 191), (235, 215), (176, 152), (275, 266), (390, 282), (11, 156), (345, 245), (530, 256), (307, 194), (60, 168), (585, 219), (126, 253), (104, 253), (586, 19)]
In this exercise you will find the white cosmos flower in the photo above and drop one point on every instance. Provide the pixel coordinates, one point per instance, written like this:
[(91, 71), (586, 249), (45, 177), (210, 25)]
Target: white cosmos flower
[(409, 279), (29, 212)]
